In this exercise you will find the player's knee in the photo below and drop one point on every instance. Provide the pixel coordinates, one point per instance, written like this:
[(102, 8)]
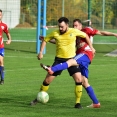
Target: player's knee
[(1, 62), (85, 83), (78, 79), (72, 62)]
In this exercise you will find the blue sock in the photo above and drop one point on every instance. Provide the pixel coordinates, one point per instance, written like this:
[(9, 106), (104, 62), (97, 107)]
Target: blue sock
[(2, 72), (92, 95), (61, 66)]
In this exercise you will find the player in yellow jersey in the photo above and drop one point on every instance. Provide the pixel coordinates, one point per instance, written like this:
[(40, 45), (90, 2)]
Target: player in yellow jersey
[(65, 38)]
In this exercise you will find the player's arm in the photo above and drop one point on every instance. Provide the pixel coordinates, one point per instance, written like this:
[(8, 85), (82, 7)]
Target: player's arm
[(9, 38), (40, 55), (51, 41), (7, 34), (86, 37), (43, 44), (106, 33), (90, 44)]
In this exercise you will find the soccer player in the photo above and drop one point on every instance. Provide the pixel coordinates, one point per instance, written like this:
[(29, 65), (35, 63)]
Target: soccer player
[(3, 28), (83, 59), (65, 49)]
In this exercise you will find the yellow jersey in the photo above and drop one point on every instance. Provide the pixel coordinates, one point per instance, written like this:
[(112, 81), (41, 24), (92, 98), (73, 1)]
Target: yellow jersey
[(65, 43)]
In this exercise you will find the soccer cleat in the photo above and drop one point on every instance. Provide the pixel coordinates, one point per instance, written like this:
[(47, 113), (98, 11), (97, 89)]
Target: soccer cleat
[(34, 102), (48, 69), (78, 105), (94, 105), (2, 82)]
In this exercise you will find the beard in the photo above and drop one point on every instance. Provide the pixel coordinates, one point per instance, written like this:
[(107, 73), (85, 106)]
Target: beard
[(62, 32)]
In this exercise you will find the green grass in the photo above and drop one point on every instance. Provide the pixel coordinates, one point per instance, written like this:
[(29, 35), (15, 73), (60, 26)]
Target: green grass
[(23, 77), (30, 34)]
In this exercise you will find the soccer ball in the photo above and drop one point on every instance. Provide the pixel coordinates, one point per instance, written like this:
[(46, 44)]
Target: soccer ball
[(43, 97)]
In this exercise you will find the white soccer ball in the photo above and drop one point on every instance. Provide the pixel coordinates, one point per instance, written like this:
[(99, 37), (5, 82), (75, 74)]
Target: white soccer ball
[(43, 97)]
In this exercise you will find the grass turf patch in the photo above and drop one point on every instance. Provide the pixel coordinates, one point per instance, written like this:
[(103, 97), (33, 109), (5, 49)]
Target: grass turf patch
[(23, 77)]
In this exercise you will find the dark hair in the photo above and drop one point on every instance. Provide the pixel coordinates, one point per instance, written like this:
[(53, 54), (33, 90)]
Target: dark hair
[(0, 10), (63, 19), (77, 20)]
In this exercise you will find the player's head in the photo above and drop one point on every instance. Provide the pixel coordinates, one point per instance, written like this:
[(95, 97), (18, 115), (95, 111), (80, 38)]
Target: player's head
[(0, 14), (77, 24), (63, 23)]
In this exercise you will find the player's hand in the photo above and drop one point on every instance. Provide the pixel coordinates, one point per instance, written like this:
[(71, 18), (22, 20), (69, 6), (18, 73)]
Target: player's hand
[(8, 42), (115, 35), (41, 38), (40, 56)]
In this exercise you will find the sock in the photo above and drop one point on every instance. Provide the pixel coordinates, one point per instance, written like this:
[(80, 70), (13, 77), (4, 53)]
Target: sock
[(78, 92), (61, 66), (44, 87), (92, 95), (2, 72)]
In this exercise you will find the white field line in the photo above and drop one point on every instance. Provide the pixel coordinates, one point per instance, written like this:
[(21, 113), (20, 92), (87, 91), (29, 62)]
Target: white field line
[(33, 40)]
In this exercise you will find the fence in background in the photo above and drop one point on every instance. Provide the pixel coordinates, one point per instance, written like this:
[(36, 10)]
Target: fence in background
[(23, 13)]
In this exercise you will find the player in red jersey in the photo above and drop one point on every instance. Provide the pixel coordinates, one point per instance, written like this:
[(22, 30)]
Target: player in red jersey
[(83, 58), (3, 28)]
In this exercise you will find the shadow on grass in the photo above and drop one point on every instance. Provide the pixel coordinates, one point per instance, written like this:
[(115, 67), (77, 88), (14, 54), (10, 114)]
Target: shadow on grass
[(20, 50)]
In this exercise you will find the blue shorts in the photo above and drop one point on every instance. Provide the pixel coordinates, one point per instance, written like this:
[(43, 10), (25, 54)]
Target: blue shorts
[(2, 52), (83, 61)]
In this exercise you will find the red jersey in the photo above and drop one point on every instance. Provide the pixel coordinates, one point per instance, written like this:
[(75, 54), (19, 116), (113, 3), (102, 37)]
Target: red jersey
[(81, 44), (3, 28)]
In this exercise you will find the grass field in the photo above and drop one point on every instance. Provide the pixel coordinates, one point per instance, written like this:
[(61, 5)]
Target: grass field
[(23, 77), (29, 34)]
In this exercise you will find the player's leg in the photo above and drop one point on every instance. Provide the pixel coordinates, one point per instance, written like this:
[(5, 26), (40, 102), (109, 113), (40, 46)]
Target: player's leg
[(91, 93), (49, 78), (74, 71), (60, 66), (46, 82), (44, 87), (84, 71), (2, 66), (77, 60)]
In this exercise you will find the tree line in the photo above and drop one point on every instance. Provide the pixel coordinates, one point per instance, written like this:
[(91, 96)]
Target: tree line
[(72, 9)]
